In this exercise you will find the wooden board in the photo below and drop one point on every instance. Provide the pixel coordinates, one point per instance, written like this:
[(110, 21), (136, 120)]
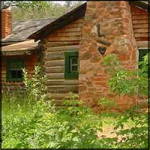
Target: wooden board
[(30, 62), (140, 23), (55, 45)]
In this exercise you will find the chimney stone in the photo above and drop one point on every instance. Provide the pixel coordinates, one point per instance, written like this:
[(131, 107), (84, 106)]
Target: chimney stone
[(6, 22), (114, 19)]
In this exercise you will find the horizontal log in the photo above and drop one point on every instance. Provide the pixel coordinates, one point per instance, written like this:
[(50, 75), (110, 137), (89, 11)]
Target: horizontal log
[(141, 38), (140, 17), (3, 74), (69, 30), (141, 30), (75, 24), (54, 63), (142, 44), (73, 28), (56, 44), (3, 71), (140, 26), (63, 48), (54, 56), (13, 84), (13, 53), (139, 13), (66, 34), (61, 86), (55, 75), (64, 39), (62, 82), (55, 69), (57, 95), (140, 21), (141, 34)]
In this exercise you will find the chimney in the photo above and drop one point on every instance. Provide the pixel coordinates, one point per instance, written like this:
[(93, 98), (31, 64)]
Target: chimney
[(107, 25), (6, 22)]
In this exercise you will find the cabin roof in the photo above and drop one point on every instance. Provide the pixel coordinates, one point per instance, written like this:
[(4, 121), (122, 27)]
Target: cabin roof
[(140, 4), (21, 30), (20, 47), (38, 29), (72, 16)]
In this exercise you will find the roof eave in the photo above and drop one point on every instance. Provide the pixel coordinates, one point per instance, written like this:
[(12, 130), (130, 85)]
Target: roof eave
[(140, 4)]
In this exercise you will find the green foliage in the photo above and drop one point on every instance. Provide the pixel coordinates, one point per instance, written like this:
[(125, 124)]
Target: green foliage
[(107, 103), (24, 10), (36, 86), (135, 133), (124, 81), (30, 122), (39, 127), (128, 82)]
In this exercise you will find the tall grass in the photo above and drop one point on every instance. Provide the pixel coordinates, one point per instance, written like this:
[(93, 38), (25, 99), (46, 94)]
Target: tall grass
[(28, 121)]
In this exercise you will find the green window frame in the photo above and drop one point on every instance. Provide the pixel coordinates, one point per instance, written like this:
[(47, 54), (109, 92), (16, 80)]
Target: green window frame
[(14, 69), (71, 65)]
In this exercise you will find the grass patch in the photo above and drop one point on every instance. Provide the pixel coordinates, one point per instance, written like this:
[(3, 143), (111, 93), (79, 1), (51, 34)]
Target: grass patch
[(27, 123)]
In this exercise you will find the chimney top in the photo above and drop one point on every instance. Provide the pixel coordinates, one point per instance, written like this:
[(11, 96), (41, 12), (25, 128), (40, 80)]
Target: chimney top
[(6, 22)]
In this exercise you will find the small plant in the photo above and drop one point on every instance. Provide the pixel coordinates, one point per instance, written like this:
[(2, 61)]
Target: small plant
[(127, 82), (36, 86)]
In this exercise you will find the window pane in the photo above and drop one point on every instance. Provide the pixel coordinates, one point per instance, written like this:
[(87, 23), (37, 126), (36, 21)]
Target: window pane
[(16, 64), (74, 60), (19, 74), (73, 64), (16, 74), (142, 53), (14, 69), (74, 68), (13, 74)]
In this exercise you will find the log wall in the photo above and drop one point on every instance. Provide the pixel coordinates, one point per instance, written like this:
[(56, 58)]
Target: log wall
[(140, 28), (140, 23), (30, 62), (55, 45)]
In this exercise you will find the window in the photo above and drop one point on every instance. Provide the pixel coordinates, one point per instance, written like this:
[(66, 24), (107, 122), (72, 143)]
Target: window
[(71, 65), (142, 53), (14, 69)]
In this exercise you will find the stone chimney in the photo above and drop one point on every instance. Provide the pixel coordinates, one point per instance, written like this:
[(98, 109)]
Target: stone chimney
[(115, 34), (6, 22)]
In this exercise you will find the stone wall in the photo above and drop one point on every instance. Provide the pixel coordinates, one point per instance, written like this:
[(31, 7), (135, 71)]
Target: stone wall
[(114, 18), (140, 24), (6, 23)]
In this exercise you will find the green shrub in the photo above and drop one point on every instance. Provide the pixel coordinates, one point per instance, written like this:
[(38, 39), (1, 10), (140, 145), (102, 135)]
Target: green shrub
[(28, 121)]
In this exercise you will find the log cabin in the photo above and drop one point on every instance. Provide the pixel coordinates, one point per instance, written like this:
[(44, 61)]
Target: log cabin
[(73, 46), (17, 50)]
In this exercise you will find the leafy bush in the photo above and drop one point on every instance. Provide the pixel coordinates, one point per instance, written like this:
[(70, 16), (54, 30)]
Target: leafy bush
[(125, 81), (28, 121), (128, 82)]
